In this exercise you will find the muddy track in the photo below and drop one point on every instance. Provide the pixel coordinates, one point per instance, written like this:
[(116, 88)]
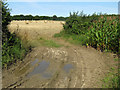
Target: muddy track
[(63, 67)]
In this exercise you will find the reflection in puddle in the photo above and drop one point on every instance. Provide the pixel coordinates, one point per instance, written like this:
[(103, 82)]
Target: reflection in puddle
[(40, 68), (47, 75), (67, 67), (34, 62)]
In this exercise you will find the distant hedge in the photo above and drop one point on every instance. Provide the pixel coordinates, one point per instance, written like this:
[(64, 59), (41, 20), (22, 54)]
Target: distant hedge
[(30, 17)]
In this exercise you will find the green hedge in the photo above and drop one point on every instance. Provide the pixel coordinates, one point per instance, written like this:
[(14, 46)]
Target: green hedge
[(12, 48)]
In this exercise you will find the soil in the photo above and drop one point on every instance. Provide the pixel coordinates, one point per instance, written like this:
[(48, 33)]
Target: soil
[(69, 66)]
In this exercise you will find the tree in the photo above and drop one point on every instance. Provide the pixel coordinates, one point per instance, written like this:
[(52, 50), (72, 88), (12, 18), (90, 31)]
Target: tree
[(6, 19), (29, 17), (54, 17), (36, 17)]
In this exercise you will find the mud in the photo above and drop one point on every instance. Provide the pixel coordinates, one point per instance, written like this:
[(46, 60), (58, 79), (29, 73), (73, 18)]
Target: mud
[(67, 67), (75, 67)]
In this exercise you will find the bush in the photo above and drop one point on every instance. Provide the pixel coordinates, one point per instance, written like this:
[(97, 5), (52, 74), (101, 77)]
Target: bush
[(78, 24), (5, 21), (12, 48)]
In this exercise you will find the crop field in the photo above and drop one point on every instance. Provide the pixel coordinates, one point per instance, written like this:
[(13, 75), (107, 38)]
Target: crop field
[(33, 29)]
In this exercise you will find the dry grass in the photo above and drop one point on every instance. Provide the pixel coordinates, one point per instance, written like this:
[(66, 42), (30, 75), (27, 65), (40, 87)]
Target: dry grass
[(32, 30)]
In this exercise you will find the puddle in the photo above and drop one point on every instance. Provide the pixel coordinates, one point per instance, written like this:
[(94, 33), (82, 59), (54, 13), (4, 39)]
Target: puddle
[(42, 67), (67, 67), (34, 62), (47, 75)]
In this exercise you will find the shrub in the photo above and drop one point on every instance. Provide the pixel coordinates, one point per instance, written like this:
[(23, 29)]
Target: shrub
[(12, 48), (78, 24)]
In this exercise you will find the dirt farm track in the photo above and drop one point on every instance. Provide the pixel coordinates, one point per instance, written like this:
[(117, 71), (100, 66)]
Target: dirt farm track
[(68, 66)]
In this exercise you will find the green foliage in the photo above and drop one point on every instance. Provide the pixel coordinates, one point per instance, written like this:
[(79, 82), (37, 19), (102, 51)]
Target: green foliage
[(12, 51), (62, 33), (72, 38), (49, 43), (78, 24), (12, 48), (102, 31), (111, 80), (103, 34), (54, 17), (5, 21), (5, 15), (44, 42), (30, 17)]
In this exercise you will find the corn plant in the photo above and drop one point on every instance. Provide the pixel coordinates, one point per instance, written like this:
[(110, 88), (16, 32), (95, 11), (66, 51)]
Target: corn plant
[(104, 34)]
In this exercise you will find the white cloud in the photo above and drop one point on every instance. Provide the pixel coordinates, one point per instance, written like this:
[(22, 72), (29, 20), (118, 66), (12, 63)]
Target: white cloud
[(63, 0)]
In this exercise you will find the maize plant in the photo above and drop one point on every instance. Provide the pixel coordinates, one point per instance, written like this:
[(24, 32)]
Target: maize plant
[(104, 34)]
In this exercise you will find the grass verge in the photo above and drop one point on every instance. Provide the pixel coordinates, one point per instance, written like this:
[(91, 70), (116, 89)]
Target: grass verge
[(72, 38), (43, 42), (111, 80)]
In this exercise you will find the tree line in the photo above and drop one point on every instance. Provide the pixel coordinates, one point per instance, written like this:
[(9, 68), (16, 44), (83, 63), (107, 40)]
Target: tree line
[(30, 17)]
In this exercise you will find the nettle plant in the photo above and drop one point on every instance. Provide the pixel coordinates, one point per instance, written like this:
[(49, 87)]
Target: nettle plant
[(103, 33)]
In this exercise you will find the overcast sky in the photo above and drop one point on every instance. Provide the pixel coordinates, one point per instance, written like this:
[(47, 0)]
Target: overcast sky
[(38, 7)]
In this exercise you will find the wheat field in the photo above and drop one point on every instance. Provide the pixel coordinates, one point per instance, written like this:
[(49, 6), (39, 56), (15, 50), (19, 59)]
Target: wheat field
[(30, 30)]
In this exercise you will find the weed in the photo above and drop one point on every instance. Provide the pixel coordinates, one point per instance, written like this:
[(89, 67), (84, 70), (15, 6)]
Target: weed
[(111, 80), (43, 42), (116, 59), (51, 43), (12, 52)]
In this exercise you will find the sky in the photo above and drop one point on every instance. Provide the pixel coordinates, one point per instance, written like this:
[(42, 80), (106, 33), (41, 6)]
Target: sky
[(61, 7), (63, 0)]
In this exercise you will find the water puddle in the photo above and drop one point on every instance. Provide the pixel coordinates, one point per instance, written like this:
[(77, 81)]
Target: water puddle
[(47, 75), (41, 68), (34, 62), (67, 67)]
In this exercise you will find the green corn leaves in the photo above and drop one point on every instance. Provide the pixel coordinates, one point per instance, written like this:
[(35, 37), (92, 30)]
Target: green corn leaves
[(100, 30), (104, 33)]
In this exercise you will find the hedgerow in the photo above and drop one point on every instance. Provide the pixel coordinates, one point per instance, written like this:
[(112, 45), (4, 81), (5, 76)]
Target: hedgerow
[(12, 48)]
